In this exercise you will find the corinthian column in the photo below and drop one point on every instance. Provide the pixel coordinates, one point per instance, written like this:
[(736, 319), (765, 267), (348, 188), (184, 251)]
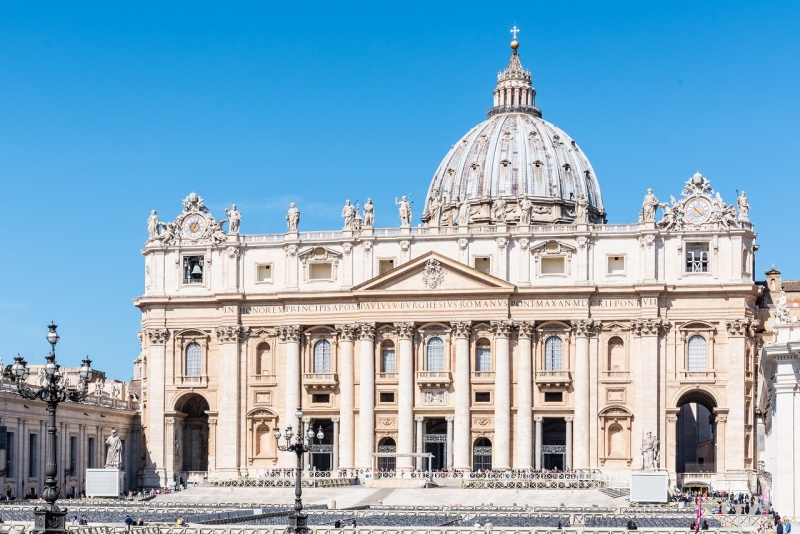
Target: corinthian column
[(228, 404), (366, 397), (346, 395), (156, 403), (463, 421), (289, 335), (648, 414), (405, 393), (501, 447), (580, 453), (524, 435)]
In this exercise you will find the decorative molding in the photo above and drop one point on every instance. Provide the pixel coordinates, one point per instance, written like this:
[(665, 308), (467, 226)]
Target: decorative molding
[(291, 250), (367, 245), (289, 333), (463, 243), (526, 329), (347, 247), (584, 242), (433, 273), (157, 336), (461, 328), (234, 251), (346, 332), (502, 243), (524, 243), (404, 245), (647, 241), (230, 334)]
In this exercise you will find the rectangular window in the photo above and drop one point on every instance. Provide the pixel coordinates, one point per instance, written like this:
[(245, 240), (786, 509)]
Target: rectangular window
[(483, 396), (553, 396), (193, 269), (264, 272), (553, 265), (90, 446), (616, 265), (387, 397), (484, 357), (320, 271), (33, 455), (483, 265), (385, 265), (320, 398), (73, 456), (697, 258), (11, 456)]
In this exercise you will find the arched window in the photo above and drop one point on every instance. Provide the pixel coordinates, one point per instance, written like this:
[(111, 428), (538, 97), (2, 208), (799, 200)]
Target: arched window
[(553, 354), (482, 454), (322, 356), (616, 354), (616, 443), (387, 357), (387, 463), (194, 355), (697, 354), (263, 359), (435, 354), (483, 356)]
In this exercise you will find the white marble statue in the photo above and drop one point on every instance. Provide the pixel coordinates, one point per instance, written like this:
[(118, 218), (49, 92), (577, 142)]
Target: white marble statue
[(369, 213), (349, 215), (525, 208), (293, 217), (434, 209), (650, 452), (114, 454), (152, 226), (649, 207), (782, 309), (462, 215), (582, 209), (404, 210), (744, 208), (234, 219)]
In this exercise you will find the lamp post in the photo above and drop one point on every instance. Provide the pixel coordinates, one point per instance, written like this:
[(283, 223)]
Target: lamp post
[(303, 443), (53, 389)]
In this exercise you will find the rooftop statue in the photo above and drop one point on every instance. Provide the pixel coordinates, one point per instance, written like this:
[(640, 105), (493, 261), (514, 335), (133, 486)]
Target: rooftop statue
[(369, 213), (349, 215), (293, 217), (404, 210), (744, 208), (234, 219), (649, 207)]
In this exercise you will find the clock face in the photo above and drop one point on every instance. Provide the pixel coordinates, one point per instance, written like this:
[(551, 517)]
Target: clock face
[(194, 226), (698, 210)]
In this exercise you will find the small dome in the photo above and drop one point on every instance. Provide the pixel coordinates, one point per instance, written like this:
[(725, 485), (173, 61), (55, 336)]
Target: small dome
[(514, 155)]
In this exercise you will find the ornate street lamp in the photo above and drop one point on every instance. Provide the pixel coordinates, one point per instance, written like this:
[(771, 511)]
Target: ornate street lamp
[(53, 390), (303, 443)]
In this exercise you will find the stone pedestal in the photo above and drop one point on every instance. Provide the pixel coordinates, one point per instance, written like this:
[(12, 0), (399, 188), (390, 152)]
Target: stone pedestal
[(649, 486), (104, 482)]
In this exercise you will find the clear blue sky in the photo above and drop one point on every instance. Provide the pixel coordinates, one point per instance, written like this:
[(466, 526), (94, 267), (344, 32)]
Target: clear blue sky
[(111, 109)]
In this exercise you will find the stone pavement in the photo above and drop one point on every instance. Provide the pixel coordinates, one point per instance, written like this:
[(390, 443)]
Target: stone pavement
[(345, 497)]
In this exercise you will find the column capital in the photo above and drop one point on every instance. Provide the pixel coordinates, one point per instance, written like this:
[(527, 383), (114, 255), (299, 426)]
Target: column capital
[(502, 328), (419, 418), (346, 332), (585, 327), (449, 418), (334, 419), (366, 331), (461, 328), (289, 333), (649, 327), (157, 336), (404, 330), (741, 327), (538, 418), (526, 329), (231, 334), (569, 419)]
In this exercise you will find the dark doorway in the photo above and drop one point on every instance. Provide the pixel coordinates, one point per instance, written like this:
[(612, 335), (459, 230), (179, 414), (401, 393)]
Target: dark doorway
[(554, 444), (387, 463), (695, 434), (435, 442), (322, 460), (191, 438), (482, 454)]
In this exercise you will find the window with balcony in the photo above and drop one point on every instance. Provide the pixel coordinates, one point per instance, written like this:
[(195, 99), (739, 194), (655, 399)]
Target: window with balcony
[(697, 354), (434, 355), (322, 357), (553, 354), (193, 362), (483, 356), (697, 258), (387, 357)]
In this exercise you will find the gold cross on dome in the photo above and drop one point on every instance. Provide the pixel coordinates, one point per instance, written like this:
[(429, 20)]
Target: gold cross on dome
[(515, 31)]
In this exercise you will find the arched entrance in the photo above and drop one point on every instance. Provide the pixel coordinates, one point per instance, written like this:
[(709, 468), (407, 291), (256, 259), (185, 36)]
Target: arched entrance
[(482, 454), (191, 438), (386, 463), (695, 433)]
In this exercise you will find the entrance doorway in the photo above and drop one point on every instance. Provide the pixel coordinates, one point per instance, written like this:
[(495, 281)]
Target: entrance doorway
[(554, 444), (386, 463), (322, 460), (482, 454), (191, 440), (435, 442), (695, 434)]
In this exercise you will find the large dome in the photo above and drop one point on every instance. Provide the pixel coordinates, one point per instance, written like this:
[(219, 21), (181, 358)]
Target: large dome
[(514, 167)]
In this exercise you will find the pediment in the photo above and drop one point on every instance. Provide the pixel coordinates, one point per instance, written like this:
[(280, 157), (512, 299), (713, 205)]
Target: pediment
[(432, 273)]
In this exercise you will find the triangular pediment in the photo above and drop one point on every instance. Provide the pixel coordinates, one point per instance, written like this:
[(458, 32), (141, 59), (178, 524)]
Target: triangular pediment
[(433, 273)]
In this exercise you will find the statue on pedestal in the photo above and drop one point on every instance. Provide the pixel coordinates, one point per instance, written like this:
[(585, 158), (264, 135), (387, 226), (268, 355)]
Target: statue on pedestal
[(114, 454), (650, 452)]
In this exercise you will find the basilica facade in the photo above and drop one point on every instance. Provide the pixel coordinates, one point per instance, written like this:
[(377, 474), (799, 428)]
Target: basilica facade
[(513, 329)]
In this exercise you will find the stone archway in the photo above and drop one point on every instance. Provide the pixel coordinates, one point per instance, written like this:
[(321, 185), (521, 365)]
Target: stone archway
[(695, 433), (191, 438)]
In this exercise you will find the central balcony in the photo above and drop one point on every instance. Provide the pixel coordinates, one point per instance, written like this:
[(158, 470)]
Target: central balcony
[(320, 381), (553, 379), (433, 379)]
